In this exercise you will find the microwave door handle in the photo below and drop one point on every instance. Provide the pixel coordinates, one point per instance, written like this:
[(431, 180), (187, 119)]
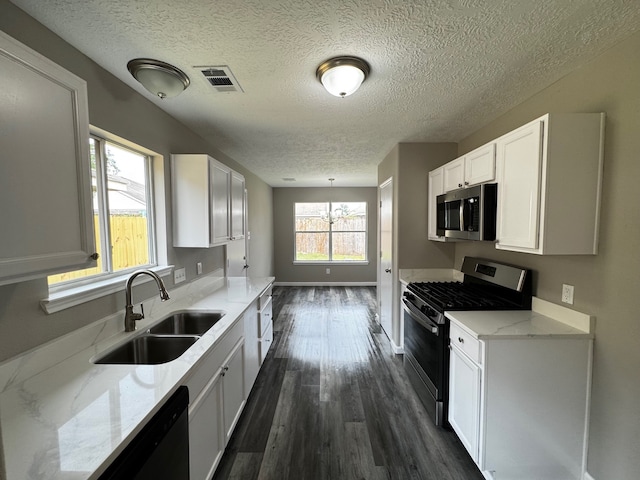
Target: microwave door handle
[(462, 224)]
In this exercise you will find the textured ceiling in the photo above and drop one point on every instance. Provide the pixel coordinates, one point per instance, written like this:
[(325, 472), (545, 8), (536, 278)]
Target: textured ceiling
[(439, 68)]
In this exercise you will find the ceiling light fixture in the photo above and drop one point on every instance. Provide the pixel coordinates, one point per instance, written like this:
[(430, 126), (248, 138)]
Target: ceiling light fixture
[(342, 76), (334, 214), (158, 77)]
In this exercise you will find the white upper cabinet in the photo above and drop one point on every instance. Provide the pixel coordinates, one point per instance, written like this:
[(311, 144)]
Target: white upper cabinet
[(45, 177), (436, 187), (237, 206), (208, 201), (220, 193), (471, 169), (549, 175), (480, 165), (453, 174)]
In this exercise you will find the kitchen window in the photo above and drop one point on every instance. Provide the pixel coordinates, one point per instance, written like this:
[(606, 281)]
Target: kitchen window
[(330, 232), (124, 223)]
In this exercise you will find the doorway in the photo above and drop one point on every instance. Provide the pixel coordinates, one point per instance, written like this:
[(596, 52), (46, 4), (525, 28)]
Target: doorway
[(385, 274)]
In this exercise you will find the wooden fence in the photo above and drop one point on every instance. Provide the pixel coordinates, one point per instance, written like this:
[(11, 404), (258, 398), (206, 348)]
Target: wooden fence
[(129, 247)]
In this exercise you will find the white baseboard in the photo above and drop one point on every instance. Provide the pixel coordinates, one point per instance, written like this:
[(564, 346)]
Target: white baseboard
[(396, 349), (588, 477), (325, 284)]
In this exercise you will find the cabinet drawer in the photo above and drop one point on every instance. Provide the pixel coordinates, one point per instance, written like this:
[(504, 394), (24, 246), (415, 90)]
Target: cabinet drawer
[(265, 343), (465, 342), (213, 360), (265, 318), (265, 297)]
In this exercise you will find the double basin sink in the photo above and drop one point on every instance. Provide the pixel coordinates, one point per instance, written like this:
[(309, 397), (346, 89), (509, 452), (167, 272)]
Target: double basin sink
[(164, 341)]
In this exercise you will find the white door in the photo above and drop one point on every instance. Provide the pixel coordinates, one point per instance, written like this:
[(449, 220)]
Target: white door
[(385, 294), (236, 257), (238, 251)]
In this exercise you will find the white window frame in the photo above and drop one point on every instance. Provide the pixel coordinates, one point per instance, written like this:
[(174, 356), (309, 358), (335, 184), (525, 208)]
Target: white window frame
[(75, 292), (330, 231)]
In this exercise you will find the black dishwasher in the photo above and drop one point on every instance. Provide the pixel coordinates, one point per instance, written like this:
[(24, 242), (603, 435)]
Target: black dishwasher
[(161, 449)]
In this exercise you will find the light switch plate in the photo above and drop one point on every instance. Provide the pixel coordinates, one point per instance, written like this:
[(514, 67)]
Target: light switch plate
[(179, 275), (199, 268), (567, 294)]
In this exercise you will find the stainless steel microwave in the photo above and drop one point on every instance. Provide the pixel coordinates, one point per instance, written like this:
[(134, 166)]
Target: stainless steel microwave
[(468, 213)]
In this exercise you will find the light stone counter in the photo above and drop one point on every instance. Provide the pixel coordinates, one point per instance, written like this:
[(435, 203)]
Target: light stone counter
[(63, 417), (408, 275), (543, 320)]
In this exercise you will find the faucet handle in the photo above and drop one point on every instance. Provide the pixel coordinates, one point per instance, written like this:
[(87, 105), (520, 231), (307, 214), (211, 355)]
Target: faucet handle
[(141, 311)]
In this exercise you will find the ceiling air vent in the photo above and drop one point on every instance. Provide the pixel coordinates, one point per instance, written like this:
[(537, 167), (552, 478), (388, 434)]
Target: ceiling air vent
[(221, 78)]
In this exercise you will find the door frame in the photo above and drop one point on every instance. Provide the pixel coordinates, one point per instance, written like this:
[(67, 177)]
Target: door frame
[(394, 334)]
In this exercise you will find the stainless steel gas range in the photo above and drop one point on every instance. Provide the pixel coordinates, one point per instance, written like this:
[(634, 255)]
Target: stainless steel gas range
[(487, 285)]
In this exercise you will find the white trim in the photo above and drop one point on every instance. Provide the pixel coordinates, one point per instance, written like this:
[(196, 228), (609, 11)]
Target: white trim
[(396, 349), (588, 477), (329, 262), (325, 284), (71, 297)]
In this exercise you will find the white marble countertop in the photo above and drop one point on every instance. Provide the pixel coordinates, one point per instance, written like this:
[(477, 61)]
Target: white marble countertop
[(514, 324), (63, 417), (408, 275)]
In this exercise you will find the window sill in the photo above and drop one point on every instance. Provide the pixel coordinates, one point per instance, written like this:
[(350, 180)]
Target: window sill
[(326, 262), (71, 297)]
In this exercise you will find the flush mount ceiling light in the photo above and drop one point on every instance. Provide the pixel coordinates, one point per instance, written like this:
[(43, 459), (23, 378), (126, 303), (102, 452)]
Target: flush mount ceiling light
[(342, 76), (158, 77)]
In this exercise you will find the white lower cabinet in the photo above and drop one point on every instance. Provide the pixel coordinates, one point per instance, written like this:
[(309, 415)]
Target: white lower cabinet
[(464, 404), (233, 393), (216, 399), (519, 405), (265, 322), (206, 435), (251, 345)]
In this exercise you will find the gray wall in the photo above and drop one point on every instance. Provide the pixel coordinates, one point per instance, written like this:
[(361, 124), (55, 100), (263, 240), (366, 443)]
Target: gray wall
[(606, 285), (116, 108), (415, 162), (283, 207), (408, 164)]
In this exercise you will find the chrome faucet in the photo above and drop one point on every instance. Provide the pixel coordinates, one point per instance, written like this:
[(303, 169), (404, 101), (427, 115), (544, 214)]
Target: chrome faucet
[(130, 316)]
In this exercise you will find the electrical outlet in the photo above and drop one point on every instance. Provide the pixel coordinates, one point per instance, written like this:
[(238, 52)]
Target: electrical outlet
[(567, 294), (179, 275), (328, 271), (199, 268)]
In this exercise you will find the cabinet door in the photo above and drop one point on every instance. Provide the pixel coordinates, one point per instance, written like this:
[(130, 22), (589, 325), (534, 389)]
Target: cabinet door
[(436, 187), (519, 161), (206, 434), (191, 200), (220, 181), (237, 206), (233, 391), (454, 174), (45, 177), (251, 346), (464, 400), (480, 165)]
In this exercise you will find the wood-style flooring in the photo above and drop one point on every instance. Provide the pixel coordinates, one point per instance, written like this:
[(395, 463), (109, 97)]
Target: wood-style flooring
[(332, 401)]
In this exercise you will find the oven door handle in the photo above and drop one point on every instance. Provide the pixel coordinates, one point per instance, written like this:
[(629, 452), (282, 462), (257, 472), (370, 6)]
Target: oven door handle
[(419, 317)]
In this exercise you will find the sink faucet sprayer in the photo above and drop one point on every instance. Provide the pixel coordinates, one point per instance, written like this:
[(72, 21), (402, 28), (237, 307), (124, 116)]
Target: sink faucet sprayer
[(130, 316)]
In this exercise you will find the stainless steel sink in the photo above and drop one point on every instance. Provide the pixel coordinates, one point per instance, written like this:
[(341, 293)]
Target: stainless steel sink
[(149, 350), (187, 323)]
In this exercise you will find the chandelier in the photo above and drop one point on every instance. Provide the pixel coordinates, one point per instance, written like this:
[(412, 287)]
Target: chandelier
[(333, 215)]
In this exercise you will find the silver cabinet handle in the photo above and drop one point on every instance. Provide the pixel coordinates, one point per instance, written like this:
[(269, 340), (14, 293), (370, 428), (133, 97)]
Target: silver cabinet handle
[(387, 270)]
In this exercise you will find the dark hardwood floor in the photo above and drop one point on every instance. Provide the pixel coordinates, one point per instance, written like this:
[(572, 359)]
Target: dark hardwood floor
[(332, 401)]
